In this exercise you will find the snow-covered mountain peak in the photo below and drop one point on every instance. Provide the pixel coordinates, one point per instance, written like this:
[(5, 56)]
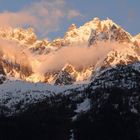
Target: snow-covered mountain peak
[(100, 29), (109, 23), (86, 36), (23, 36), (72, 27), (69, 68), (123, 56), (101, 24), (107, 30), (137, 36)]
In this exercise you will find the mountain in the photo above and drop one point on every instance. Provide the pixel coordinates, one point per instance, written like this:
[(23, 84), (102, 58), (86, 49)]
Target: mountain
[(83, 86), (80, 111), (20, 35), (88, 35)]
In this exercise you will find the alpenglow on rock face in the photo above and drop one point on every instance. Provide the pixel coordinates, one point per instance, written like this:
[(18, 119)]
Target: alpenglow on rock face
[(88, 35)]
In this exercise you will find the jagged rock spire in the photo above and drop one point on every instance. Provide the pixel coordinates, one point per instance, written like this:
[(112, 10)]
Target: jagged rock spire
[(72, 26)]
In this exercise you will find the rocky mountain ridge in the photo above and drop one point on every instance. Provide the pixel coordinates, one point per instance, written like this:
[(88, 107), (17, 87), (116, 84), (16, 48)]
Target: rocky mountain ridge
[(89, 34)]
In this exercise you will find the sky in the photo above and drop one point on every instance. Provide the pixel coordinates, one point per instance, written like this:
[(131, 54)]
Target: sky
[(51, 18)]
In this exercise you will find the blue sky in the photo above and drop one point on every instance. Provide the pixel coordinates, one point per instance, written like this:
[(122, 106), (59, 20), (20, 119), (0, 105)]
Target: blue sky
[(123, 12)]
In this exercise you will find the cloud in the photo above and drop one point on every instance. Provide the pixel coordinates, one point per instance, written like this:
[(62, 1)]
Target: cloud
[(73, 14), (16, 53), (45, 16), (16, 19), (19, 55), (79, 56)]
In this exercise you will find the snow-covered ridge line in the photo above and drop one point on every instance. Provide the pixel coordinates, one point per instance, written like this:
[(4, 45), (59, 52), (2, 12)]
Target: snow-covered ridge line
[(15, 93)]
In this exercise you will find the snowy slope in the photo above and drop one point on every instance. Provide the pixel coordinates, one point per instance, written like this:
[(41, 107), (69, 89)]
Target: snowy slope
[(16, 95)]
